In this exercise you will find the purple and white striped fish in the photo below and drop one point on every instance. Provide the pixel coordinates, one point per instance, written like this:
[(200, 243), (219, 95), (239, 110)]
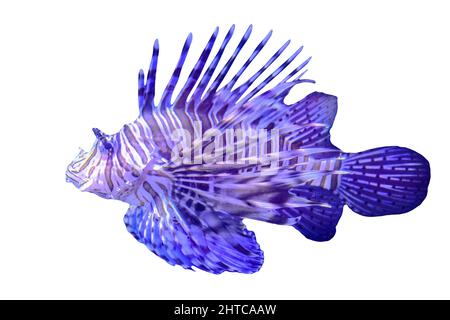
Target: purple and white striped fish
[(194, 166)]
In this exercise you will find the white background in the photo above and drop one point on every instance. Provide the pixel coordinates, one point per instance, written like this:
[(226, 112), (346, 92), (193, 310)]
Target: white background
[(66, 67)]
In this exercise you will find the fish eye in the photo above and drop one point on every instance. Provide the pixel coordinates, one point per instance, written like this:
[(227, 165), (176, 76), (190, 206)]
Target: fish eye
[(108, 146), (105, 145)]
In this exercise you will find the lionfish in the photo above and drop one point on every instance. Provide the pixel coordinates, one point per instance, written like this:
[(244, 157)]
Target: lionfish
[(190, 212)]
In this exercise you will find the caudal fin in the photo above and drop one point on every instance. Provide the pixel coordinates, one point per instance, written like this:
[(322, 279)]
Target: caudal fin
[(382, 181)]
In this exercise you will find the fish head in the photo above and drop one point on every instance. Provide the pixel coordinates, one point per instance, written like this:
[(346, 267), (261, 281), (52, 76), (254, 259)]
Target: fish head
[(100, 171)]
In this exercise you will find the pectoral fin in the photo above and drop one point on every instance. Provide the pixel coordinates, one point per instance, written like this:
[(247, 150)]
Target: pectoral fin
[(211, 241)]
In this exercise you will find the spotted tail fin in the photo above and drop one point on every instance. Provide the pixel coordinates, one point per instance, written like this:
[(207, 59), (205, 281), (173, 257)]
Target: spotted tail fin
[(382, 181)]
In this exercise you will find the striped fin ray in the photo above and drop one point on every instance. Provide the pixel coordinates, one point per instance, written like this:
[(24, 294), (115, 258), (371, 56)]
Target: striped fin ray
[(182, 109), (239, 91), (216, 83), (196, 71), (297, 70), (147, 93), (255, 53), (167, 95), (212, 67), (231, 105), (141, 87), (266, 81), (243, 110)]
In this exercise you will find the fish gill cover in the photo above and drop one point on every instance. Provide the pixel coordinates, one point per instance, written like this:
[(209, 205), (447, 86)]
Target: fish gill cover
[(194, 166)]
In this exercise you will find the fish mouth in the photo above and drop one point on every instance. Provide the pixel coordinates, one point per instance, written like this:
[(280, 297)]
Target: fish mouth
[(73, 178)]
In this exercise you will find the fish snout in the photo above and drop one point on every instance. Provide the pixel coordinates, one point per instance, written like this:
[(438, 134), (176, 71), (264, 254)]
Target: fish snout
[(73, 176)]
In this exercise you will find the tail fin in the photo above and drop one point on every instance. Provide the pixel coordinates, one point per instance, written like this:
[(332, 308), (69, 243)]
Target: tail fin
[(382, 181)]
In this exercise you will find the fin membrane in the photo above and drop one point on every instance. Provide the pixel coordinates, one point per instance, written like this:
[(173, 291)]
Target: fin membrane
[(315, 114), (211, 241), (382, 181), (306, 123), (318, 222), (313, 211)]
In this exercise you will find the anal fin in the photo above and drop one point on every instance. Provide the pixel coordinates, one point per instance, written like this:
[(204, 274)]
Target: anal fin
[(318, 222)]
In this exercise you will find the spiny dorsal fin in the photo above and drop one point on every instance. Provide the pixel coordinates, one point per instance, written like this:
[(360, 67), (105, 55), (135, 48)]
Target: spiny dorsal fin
[(213, 103), (146, 91)]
